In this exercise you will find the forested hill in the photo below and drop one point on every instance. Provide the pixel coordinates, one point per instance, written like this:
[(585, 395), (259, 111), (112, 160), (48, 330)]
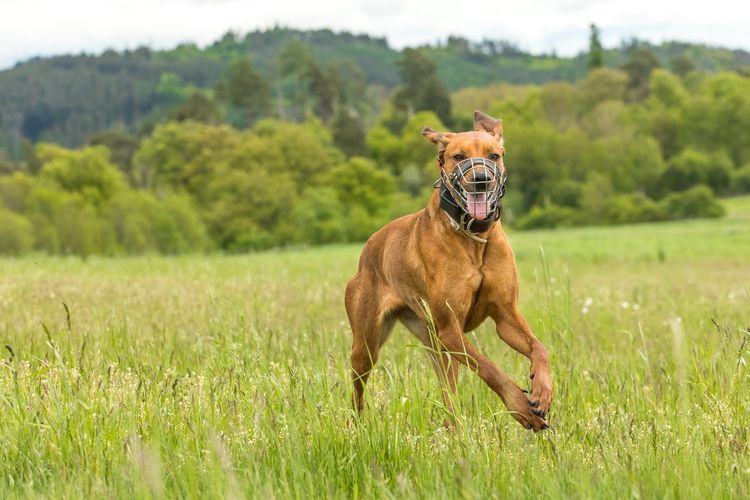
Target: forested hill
[(65, 99)]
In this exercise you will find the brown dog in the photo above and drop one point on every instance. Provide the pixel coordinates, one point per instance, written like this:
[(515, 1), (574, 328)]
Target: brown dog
[(455, 259)]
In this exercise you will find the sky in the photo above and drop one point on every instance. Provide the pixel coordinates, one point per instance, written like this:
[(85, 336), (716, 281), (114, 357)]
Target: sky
[(49, 27)]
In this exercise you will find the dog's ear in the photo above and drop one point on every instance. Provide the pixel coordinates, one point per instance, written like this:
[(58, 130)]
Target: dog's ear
[(441, 139), (485, 123), (437, 137)]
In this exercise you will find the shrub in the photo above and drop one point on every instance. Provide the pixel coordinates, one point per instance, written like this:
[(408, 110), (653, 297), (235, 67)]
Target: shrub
[(549, 216), (15, 233), (698, 201), (741, 180), (566, 193), (692, 167), (65, 223), (14, 189), (318, 217), (142, 223), (631, 208), (86, 171)]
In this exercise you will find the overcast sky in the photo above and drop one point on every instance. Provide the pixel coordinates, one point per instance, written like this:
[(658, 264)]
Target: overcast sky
[(48, 27)]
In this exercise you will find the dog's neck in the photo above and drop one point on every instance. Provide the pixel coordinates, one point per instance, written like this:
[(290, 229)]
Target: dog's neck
[(457, 217), (436, 212)]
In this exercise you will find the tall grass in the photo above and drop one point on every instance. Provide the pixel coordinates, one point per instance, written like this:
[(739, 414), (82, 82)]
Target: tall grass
[(229, 376)]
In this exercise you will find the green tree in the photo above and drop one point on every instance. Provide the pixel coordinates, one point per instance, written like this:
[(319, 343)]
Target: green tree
[(349, 132), (199, 107), (66, 223), (601, 85), (596, 52), (323, 86), (698, 201), (183, 156), (319, 217), (293, 65), (15, 233), (6, 165), (142, 223), (87, 171), (361, 183), (740, 183), (641, 62), (662, 114), (421, 89), (122, 145), (14, 189), (682, 65), (691, 167), (246, 92)]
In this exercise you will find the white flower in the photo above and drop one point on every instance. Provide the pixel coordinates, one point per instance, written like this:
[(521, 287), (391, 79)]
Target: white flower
[(625, 305)]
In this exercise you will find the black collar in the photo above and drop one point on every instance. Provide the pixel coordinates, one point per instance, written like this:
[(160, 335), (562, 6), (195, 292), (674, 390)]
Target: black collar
[(460, 217)]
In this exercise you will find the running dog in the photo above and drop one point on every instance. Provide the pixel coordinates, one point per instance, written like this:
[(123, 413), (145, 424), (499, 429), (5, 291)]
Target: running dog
[(450, 264)]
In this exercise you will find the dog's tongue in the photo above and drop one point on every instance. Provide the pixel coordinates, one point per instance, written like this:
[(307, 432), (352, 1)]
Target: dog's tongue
[(477, 205)]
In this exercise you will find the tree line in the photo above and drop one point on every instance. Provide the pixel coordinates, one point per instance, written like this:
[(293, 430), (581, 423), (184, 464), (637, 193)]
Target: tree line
[(255, 163), (65, 99)]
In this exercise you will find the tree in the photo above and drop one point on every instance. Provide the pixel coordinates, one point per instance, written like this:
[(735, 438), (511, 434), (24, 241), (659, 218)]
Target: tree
[(421, 89), (692, 167), (600, 85), (15, 233), (87, 171), (245, 90), (199, 107), (293, 65), (698, 201), (323, 87), (6, 165), (639, 66), (122, 145), (596, 52), (349, 132), (183, 156), (682, 64)]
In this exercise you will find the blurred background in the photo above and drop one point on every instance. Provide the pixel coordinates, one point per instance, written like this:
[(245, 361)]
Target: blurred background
[(192, 125)]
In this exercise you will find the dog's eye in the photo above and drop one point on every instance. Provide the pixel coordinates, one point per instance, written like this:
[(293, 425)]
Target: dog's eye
[(494, 157), (459, 157)]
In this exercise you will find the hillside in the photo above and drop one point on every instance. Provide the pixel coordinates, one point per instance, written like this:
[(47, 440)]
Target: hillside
[(65, 99)]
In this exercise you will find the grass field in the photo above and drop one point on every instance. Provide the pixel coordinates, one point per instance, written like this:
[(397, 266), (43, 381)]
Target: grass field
[(228, 376)]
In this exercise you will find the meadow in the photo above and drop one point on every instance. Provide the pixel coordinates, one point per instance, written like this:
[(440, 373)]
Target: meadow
[(211, 376)]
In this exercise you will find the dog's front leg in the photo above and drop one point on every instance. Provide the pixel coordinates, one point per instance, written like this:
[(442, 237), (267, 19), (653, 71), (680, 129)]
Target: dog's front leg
[(456, 343), (515, 331)]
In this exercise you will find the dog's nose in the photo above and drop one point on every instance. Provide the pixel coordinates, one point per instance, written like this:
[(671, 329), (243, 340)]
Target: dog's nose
[(481, 176), (481, 181)]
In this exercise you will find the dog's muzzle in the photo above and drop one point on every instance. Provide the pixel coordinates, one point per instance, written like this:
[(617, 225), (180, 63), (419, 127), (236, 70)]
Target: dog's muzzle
[(476, 185)]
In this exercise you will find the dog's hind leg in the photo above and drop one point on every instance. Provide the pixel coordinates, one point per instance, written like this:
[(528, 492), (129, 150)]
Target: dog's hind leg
[(371, 327), (446, 367)]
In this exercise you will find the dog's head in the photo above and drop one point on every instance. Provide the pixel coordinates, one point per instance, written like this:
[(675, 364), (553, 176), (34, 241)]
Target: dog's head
[(472, 165)]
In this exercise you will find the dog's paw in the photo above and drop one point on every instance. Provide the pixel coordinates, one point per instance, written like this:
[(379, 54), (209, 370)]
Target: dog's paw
[(526, 411), (541, 392)]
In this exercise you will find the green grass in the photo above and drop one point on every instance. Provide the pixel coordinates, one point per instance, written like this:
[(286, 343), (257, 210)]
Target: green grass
[(228, 376)]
